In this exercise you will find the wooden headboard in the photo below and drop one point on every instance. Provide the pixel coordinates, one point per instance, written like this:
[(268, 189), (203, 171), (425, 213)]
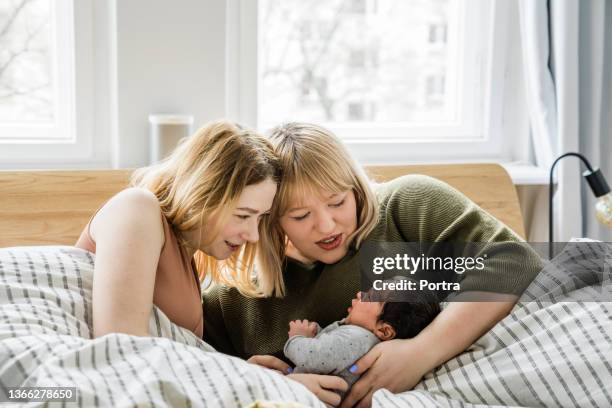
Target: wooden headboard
[(52, 207)]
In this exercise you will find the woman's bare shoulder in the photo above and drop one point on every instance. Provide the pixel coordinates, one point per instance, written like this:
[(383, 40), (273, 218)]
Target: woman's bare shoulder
[(135, 196), (132, 207)]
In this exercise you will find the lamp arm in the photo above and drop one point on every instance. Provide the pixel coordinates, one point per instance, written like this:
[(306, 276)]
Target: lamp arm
[(551, 194)]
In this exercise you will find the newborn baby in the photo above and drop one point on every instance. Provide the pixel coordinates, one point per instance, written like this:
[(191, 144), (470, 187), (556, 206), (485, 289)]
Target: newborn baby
[(334, 349)]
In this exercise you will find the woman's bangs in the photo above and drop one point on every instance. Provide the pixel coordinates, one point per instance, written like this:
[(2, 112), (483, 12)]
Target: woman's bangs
[(304, 184)]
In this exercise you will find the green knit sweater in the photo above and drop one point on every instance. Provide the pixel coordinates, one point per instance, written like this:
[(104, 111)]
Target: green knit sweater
[(412, 209)]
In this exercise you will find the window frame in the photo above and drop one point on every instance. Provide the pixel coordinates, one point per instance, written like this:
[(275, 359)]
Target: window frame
[(73, 141), (478, 139)]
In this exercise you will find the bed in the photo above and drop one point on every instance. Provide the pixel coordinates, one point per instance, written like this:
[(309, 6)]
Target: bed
[(554, 349), (51, 207)]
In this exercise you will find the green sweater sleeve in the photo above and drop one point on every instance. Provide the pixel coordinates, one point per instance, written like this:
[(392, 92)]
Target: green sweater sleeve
[(419, 208)]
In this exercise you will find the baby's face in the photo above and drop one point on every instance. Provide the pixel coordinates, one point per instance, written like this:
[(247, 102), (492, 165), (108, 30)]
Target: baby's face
[(363, 313)]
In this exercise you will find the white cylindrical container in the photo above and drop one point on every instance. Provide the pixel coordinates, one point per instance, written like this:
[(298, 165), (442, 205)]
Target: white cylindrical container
[(165, 132)]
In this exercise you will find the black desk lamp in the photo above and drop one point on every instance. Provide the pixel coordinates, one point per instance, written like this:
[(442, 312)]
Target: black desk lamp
[(599, 186)]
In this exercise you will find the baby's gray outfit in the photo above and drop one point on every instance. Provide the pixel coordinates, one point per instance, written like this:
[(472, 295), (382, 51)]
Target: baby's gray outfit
[(333, 351)]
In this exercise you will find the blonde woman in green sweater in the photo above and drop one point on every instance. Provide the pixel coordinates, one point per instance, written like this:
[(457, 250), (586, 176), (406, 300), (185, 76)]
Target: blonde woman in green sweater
[(327, 211)]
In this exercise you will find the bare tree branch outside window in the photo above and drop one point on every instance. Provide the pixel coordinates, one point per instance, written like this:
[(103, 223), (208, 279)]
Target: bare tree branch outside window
[(26, 75), (352, 60)]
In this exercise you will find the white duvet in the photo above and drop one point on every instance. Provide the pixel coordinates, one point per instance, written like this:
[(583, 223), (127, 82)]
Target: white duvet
[(554, 349)]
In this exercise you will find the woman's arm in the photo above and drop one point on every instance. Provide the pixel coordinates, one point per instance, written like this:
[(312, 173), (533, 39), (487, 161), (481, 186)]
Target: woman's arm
[(398, 365), (325, 387), (460, 324), (129, 235)]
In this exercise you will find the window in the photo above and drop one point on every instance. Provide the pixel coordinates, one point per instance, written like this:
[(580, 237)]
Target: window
[(434, 90), (43, 45), (356, 111), (437, 33), (360, 111), (415, 72), (355, 6), (357, 59), (36, 70)]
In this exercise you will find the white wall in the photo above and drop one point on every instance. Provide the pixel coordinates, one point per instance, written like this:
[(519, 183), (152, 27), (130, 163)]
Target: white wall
[(166, 63)]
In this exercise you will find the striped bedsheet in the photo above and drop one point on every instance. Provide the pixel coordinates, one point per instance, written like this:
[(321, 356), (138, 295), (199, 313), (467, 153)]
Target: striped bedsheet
[(45, 341), (553, 350)]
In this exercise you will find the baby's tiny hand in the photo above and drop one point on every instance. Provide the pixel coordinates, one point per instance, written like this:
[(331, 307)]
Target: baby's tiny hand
[(302, 328)]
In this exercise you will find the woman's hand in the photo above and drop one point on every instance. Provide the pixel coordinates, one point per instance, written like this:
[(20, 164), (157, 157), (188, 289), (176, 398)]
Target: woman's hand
[(270, 362), (322, 386), (397, 365)]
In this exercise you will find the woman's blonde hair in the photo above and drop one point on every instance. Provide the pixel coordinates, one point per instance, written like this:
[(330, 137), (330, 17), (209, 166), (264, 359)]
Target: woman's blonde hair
[(205, 176), (313, 160)]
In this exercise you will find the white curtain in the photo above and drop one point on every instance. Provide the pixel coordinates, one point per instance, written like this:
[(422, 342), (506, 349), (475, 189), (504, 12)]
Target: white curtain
[(566, 54), (595, 55)]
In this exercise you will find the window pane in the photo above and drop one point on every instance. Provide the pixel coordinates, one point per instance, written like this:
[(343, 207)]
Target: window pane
[(357, 61), (26, 69)]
